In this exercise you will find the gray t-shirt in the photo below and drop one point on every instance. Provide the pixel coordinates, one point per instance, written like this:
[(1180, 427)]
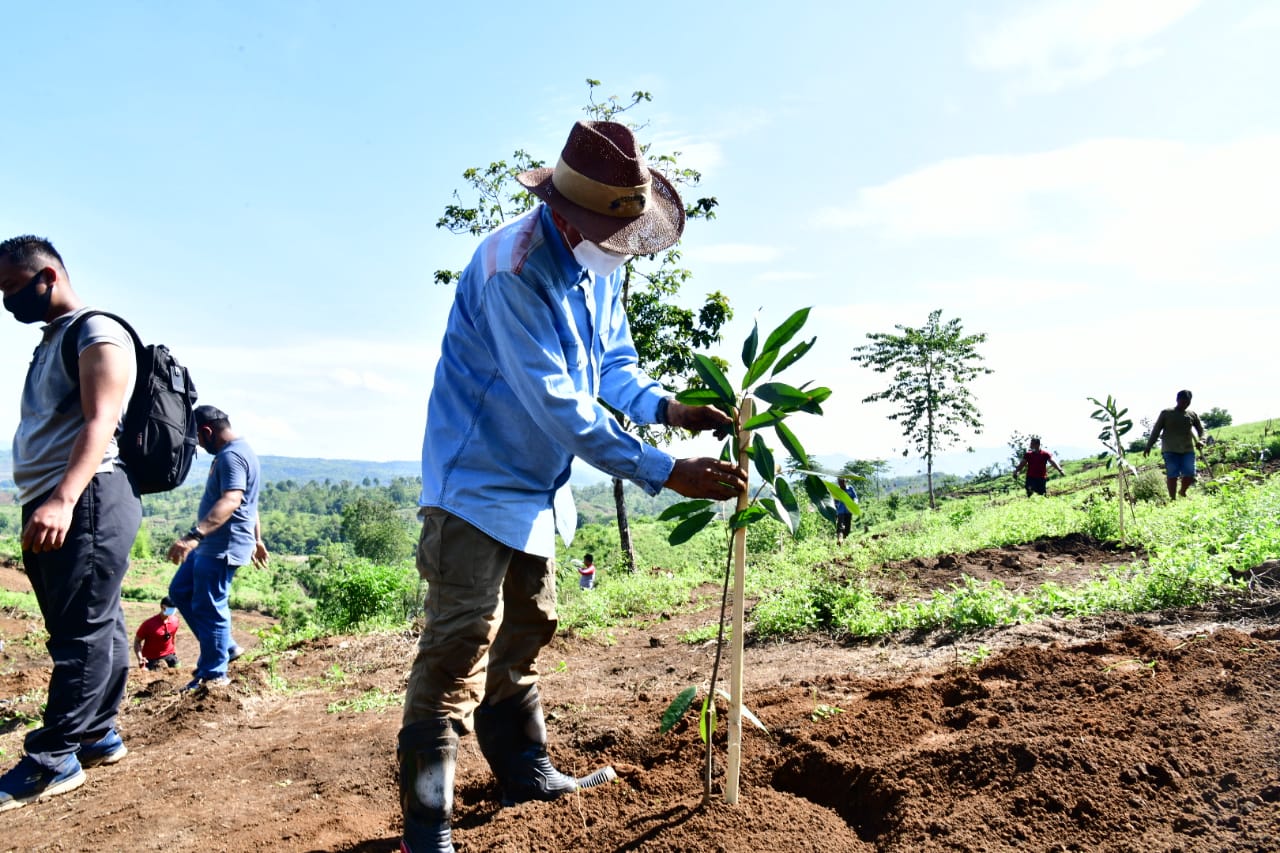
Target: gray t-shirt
[(42, 445)]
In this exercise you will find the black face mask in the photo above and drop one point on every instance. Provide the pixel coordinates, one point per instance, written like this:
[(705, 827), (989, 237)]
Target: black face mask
[(28, 305)]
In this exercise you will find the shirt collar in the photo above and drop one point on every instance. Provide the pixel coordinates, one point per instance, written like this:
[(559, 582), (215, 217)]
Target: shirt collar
[(563, 257)]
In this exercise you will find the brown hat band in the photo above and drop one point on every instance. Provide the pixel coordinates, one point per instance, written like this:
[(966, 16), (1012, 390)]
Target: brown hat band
[(621, 202)]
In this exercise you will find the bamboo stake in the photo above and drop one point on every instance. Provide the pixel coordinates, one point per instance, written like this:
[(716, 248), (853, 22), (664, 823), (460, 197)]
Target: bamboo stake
[(738, 618)]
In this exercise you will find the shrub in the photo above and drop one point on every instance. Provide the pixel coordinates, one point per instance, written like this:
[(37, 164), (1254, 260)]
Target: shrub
[(1150, 486), (360, 594)]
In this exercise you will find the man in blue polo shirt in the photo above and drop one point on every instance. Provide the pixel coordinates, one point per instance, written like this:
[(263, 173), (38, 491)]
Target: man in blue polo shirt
[(225, 537), (536, 337)]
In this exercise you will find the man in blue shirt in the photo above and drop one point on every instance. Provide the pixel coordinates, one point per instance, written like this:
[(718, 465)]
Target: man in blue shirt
[(536, 337), (844, 515), (225, 537)]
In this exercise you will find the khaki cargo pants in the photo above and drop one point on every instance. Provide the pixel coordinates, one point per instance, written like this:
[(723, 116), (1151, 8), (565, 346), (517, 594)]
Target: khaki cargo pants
[(489, 610)]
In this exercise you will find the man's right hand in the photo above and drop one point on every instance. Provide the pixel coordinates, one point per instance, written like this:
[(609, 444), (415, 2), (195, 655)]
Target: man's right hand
[(705, 477), (1146, 451)]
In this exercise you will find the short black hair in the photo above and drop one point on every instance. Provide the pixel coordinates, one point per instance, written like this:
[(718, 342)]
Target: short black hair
[(1184, 394), (28, 250), (588, 558), (211, 416), (167, 602)]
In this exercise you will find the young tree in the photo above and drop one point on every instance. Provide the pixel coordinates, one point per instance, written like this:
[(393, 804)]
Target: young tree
[(931, 367), (374, 529), (870, 471), (666, 335)]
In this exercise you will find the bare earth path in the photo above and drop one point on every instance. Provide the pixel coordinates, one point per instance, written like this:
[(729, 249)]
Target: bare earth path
[(1150, 733)]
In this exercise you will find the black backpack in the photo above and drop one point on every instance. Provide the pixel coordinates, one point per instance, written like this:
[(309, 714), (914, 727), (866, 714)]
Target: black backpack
[(158, 440)]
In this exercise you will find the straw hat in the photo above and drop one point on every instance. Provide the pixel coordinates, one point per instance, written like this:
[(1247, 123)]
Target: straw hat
[(604, 188)]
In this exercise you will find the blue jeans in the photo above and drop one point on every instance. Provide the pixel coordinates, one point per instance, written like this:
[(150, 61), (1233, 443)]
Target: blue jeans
[(200, 589), (78, 590), (1179, 464)]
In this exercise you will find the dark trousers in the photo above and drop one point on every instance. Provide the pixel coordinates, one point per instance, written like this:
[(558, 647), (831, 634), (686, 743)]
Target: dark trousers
[(78, 590)]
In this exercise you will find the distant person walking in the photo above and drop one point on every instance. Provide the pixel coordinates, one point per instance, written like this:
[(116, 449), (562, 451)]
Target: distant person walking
[(844, 515), (226, 536), (587, 572), (1036, 462), (153, 644), (1178, 445), (80, 513), (536, 338)]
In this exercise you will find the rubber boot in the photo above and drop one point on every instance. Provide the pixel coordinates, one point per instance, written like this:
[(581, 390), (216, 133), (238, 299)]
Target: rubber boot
[(428, 754), (513, 739)]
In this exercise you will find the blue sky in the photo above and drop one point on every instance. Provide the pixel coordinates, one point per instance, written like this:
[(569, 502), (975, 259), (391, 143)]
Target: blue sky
[(1093, 184)]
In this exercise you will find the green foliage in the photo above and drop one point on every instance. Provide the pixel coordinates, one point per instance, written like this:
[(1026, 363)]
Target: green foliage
[(373, 527), (1215, 417), (358, 595), (932, 369), (1150, 487)]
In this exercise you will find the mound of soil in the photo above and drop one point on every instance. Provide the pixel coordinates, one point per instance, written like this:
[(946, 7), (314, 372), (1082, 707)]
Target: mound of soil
[(1148, 733)]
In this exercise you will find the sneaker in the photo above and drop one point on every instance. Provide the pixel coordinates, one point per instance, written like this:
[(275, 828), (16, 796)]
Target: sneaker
[(233, 653), (220, 681), (191, 685), (106, 750), (28, 782)]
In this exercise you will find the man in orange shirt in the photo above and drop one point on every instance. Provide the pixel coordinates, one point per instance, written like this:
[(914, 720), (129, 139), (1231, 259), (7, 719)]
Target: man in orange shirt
[(153, 644)]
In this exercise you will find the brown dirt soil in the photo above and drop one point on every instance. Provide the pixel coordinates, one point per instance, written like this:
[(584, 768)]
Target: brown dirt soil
[(1149, 733)]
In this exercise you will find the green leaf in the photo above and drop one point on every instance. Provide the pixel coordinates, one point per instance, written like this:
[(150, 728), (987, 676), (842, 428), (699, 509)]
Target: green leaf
[(795, 354), (782, 489), (763, 457), (816, 488), (790, 442), (842, 496), (750, 515), (751, 718), (767, 418), (782, 396), (779, 337), (750, 344), (677, 709), (757, 368), (684, 508), (685, 530), (698, 397), (772, 506), (707, 719), (710, 373)]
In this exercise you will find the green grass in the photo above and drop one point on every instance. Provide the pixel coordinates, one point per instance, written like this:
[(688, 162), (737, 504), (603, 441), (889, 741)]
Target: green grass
[(371, 701)]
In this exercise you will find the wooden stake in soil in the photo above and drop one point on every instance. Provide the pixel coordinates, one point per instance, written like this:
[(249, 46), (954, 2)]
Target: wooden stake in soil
[(738, 617)]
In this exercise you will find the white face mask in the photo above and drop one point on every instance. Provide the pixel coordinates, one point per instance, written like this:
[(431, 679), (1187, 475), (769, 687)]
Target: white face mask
[(169, 611), (599, 261)]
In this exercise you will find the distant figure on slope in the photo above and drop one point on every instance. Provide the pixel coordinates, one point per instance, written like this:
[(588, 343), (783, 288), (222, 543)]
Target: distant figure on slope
[(1037, 462), (844, 515), (153, 644), (226, 536), (536, 338), (587, 572), (1177, 444)]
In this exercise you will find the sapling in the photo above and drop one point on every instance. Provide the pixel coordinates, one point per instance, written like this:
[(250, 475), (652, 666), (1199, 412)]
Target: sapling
[(773, 497), (1115, 425)]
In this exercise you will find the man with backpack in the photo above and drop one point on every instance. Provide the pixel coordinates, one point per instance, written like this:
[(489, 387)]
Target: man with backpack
[(80, 513), (225, 537)]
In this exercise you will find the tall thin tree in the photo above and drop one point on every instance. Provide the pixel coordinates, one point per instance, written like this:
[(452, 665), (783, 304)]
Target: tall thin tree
[(932, 368)]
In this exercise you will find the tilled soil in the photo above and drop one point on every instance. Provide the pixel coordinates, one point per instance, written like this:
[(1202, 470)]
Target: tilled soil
[(1148, 733)]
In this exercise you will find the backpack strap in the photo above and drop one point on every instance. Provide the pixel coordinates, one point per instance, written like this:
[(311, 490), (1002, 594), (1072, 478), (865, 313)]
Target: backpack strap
[(71, 357)]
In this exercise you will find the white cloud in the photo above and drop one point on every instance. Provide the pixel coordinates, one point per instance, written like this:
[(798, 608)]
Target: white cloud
[(1056, 45), (1156, 209)]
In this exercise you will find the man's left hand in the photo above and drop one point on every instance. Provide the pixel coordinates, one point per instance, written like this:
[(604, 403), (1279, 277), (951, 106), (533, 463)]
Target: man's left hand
[(179, 550), (698, 418), (47, 528)]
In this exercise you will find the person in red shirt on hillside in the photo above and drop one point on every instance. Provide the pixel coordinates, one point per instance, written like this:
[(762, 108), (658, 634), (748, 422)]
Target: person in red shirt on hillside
[(153, 644), (1037, 463)]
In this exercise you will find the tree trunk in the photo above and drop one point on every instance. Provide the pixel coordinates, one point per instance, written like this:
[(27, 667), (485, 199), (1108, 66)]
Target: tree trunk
[(624, 527), (928, 461)]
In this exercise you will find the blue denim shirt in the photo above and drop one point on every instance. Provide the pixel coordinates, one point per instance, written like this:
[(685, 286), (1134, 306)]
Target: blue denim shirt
[(532, 341)]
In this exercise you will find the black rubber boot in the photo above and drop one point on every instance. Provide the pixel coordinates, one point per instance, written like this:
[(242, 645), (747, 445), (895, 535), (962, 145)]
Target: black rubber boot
[(513, 739), (428, 754)]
